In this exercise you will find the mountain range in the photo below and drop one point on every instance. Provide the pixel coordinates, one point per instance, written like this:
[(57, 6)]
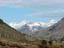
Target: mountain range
[(31, 27), (37, 29)]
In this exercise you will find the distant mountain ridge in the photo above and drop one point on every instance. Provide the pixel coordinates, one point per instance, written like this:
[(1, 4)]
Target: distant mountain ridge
[(31, 27)]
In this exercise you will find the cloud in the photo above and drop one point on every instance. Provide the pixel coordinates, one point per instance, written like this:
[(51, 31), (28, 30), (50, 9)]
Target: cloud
[(20, 24), (48, 14), (33, 3)]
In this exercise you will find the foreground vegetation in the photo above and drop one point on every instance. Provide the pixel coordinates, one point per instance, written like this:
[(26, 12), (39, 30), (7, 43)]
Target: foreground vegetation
[(4, 43)]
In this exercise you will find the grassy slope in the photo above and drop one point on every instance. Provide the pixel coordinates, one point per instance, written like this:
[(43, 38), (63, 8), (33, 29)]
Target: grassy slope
[(10, 36)]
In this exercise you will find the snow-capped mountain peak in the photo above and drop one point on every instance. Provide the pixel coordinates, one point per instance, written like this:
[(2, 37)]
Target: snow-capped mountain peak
[(25, 22), (30, 27)]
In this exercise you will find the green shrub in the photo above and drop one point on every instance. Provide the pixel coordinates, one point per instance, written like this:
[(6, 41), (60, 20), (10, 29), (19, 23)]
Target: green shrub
[(44, 42), (50, 42)]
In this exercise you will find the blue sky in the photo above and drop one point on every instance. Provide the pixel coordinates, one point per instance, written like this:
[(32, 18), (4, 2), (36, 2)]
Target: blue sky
[(15, 14), (31, 10)]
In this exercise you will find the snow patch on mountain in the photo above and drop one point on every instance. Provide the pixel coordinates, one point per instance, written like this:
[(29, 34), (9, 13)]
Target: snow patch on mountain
[(31, 27), (32, 24)]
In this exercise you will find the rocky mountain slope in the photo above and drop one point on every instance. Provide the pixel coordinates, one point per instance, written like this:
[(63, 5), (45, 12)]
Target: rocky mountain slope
[(10, 33), (54, 32), (57, 31)]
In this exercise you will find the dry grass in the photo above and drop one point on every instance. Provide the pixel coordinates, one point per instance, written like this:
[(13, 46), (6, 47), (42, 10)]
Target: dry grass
[(4, 43)]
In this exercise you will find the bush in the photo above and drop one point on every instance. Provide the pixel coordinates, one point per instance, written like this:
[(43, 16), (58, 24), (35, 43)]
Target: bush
[(44, 42), (50, 42)]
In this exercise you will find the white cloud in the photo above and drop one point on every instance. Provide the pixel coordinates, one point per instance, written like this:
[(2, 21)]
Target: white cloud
[(52, 14), (34, 3), (18, 25)]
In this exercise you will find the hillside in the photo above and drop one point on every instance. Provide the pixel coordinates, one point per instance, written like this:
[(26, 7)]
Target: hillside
[(57, 30), (54, 32), (10, 33)]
